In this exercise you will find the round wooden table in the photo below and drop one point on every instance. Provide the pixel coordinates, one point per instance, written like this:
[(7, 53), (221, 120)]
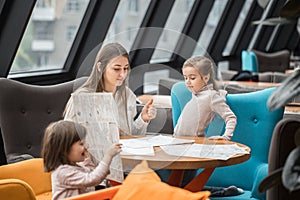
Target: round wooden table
[(178, 164)]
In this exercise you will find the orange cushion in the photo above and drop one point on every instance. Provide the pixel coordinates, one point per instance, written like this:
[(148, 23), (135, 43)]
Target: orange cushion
[(32, 172), (143, 183), (44, 196)]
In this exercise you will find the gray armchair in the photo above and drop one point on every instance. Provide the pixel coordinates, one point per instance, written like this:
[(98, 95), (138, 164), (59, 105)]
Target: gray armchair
[(282, 144), (25, 111), (278, 61)]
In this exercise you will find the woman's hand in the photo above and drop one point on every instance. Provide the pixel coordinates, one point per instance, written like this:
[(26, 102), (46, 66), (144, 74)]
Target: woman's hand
[(149, 111)]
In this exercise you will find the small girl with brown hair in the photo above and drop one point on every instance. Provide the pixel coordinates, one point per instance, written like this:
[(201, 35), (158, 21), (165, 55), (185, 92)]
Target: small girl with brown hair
[(65, 154)]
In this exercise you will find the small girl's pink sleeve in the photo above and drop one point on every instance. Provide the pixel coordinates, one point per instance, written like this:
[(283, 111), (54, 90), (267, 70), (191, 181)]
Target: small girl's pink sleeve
[(75, 177)]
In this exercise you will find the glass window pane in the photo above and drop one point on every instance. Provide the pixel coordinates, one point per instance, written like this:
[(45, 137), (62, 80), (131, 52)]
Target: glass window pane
[(49, 35), (168, 39), (237, 27), (210, 27), (151, 80), (126, 22)]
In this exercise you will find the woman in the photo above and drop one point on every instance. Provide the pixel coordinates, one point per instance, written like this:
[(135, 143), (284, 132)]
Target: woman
[(110, 74)]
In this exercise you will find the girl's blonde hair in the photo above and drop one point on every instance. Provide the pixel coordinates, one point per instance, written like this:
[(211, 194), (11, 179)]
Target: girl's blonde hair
[(58, 138), (204, 66)]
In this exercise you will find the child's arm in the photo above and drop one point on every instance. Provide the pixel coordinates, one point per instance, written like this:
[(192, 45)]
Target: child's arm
[(111, 152), (230, 121), (74, 177), (221, 107)]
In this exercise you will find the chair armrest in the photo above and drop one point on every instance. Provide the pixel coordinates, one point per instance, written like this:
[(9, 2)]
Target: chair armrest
[(15, 189), (273, 179), (262, 172), (16, 157)]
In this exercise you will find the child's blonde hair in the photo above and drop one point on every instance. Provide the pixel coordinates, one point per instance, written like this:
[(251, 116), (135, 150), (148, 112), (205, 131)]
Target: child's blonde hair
[(58, 138), (204, 66)]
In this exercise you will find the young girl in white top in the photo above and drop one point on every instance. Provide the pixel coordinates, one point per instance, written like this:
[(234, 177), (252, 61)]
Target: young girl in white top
[(207, 100), (65, 154)]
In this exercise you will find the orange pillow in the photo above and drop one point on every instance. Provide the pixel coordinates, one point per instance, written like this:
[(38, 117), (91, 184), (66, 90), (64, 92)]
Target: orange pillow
[(143, 183)]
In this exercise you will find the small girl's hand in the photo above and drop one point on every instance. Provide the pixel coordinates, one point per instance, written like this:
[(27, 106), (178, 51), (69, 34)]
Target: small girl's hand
[(217, 137), (114, 149)]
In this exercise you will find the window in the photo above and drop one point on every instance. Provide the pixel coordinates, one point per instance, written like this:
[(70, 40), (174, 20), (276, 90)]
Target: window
[(129, 35), (43, 3), (71, 31), (43, 31), (210, 27), (125, 25), (151, 80), (133, 6), (49, 35), (188, 5), (168, 39), (237, 27), (73, 5)]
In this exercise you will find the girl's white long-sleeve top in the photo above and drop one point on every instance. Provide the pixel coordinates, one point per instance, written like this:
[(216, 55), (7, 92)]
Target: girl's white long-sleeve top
[(200, 111), (127, 124)]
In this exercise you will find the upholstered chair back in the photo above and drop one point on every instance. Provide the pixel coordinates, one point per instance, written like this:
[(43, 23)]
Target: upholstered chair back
[(249, 61), (278, 61), (283, 142), (255, 124), (26, 110)]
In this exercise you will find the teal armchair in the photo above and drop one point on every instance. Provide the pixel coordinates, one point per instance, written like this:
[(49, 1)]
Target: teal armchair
[(249, 61), (255, 124)]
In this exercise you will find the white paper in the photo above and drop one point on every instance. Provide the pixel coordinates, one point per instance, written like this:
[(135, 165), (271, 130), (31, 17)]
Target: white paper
[(215, 151), (98, 113), (151, 141), (146, 151)]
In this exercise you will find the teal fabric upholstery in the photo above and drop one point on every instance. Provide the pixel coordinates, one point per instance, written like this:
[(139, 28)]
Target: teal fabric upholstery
[(255, 124), (249, 61)]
